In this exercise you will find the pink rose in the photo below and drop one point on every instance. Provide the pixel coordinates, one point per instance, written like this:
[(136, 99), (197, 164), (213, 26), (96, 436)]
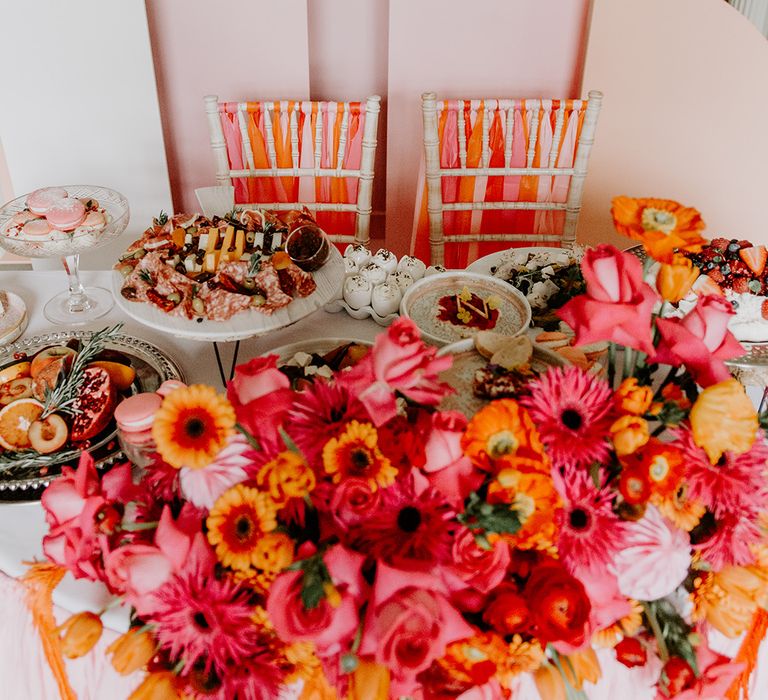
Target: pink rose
[(330, 627), (700, 340), (446, 467), (400, 361), (353, 501), (408, 625), (82, 514), (261, 395), (139, 570), (617, 305), (481, 569)]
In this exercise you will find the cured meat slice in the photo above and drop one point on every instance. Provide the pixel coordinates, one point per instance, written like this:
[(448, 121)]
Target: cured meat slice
[(221, 304)]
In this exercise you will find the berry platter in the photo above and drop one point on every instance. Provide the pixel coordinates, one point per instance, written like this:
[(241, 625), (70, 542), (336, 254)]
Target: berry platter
[(23, 475)]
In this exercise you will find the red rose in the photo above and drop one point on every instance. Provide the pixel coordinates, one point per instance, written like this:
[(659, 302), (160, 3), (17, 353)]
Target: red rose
[(507, 611), (700, 340), (559, 605), (617, 305)]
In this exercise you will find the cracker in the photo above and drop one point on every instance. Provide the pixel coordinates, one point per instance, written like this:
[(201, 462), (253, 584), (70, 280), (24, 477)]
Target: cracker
[(516, 352)]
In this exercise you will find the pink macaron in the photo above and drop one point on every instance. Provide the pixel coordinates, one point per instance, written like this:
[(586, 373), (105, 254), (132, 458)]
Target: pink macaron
[(140, 439), (21, 218), (137, 413), (169, 386), (66, 214), (40, 201), (94, 220), (36, 228)]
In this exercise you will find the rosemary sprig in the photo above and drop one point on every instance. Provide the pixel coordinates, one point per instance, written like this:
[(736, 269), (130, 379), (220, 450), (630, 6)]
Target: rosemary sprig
[(161, 219), (28, 459), (65, 392)]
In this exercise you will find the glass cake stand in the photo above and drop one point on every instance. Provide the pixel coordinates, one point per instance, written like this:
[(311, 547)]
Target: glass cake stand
[(78, 304)]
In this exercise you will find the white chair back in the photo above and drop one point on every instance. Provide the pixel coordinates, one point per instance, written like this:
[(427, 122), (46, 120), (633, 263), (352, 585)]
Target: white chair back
[(306, 161), (548, 164)]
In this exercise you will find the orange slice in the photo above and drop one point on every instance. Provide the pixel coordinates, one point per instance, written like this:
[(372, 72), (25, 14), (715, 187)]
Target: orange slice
[(15, 371), (15, 420)]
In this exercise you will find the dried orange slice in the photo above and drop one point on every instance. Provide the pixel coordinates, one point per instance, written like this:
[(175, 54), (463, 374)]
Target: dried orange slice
[(15, 420)]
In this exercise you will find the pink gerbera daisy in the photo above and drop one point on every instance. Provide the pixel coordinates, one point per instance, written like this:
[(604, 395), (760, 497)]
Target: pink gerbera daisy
[(205, 621), (321, 413), (726, 540), (590, 532), (256, 678), (408, 526), (572, 411), (734, 482)]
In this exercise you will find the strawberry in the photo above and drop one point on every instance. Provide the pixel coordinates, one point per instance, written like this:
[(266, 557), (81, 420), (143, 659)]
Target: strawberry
[(740, 285), (705, 285), (716, 276), (745, 244), (755, 257), (740, 268), (764, 309), (720, 244)]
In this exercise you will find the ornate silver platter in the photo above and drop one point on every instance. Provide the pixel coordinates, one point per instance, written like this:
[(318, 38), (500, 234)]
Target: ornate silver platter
[(20, 483)]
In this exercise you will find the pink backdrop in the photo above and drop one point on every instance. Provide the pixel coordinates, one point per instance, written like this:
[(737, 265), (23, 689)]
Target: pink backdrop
[(684, 114), (495, 48)]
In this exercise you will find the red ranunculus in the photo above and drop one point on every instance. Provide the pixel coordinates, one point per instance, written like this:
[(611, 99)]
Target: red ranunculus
[(631, 652), (617, 305), (700, 340), (559, 605), (506, 611)]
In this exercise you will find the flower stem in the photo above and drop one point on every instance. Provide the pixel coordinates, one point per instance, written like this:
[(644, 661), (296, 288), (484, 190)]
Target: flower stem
[(611, 364), (629, 363), (651, 615), (136, 527), (252, 441)]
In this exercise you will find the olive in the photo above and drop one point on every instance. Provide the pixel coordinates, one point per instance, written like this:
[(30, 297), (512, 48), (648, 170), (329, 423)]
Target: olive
[(175, 297), (198, 306), (139, 254), (249, 283), (734, 247), (258, 300), (126, 270)]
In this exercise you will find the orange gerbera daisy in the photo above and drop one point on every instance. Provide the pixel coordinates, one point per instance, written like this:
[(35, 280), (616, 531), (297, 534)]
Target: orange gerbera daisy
[(500, 433), (192, 426), (684, 512), (662, 225), (355, 453), (237, 527), (626, 626)]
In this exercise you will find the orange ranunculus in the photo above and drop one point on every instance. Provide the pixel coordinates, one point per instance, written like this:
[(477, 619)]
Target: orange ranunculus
[(675, 279), (629, 433), (674, 394), (502, 430), (161, 685), (633, 398), (723, 419), (660, 464), (131, 651), (506, 611), (661, 224), (79, 634)]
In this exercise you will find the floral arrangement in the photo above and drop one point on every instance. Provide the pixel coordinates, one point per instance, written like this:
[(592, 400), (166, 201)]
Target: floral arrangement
[(352, 540)]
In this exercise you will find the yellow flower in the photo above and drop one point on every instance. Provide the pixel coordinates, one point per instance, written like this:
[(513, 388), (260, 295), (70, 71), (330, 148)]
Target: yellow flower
[(662, 225), (677, 507), (192, 426), (629, 433), (627, 626), (161, 685), (355, 453), (79, 634), (286, 476), (370, 681), (723, 420), (633, 398), (131, 651), (675, 279), (728, 598), (237, 524)]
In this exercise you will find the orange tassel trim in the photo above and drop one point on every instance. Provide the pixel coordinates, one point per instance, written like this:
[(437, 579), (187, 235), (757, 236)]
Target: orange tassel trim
[(748, 656), (40, 581)]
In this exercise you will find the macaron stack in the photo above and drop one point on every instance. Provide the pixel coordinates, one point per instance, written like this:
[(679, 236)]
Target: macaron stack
[(13, 317), (134, 417), (51, 214)]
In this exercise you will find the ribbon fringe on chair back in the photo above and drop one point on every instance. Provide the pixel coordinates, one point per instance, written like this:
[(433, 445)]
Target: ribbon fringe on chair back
[(501, 170), (284, 154)]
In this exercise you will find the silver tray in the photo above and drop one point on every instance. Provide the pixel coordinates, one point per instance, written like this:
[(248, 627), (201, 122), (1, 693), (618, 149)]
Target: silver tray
[(152, 366)]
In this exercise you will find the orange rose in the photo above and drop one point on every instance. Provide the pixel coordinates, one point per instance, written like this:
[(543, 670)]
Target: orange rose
[(675, 279), (632, 398), (629, 433), (80, 634), (131, 651)]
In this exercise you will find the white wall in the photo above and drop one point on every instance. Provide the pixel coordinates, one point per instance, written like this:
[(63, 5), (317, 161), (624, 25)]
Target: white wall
[(80, 103)]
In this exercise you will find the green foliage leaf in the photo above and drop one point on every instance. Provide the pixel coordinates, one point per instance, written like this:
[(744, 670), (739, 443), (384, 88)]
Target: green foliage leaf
[(489, 517), (676, 634)]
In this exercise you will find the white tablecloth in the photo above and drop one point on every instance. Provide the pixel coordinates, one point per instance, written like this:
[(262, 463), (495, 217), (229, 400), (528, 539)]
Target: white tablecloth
[(22, 526)]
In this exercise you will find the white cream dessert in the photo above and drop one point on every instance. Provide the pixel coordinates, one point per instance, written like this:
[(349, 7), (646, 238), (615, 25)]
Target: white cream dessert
[(385, 298), (385, 259), (374, 273), (358, 253), (402, 279), (357, 291), (413, 266)]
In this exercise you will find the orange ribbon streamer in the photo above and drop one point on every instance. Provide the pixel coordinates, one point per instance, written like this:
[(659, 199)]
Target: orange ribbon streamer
[(748, 656)]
